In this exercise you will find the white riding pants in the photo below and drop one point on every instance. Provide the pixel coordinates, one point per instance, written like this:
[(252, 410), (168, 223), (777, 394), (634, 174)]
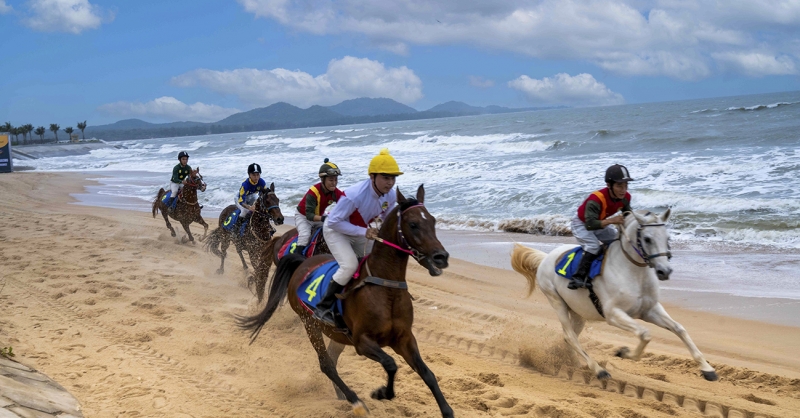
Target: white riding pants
[(249, 200), (345, 249), (175, 188), (304, 228), (591, 240)]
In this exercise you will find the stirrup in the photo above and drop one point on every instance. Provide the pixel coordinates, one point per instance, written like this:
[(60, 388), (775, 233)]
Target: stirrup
[(575, 284), (325, 316)]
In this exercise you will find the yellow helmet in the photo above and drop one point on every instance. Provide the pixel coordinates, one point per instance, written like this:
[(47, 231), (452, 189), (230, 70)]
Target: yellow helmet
[(383, 163)]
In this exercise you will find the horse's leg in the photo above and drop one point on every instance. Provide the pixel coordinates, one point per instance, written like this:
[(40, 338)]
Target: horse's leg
[(620, 319), (199, 219), (571, 337), (185, 225), (408, 349), (660, 317), (370, 349), (166, 219), (329, 367), (223, 250), (334, 351), (577, 322)]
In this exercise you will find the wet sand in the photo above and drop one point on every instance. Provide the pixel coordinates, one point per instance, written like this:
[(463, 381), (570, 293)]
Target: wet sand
[(134, 323)]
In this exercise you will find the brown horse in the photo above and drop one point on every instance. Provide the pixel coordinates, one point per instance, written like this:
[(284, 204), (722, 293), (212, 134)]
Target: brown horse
[(259, 231), (187, 210), (376, 315), (271, 255)]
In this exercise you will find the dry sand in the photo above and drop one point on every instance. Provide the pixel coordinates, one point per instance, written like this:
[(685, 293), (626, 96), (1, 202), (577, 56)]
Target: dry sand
[(134, 323)]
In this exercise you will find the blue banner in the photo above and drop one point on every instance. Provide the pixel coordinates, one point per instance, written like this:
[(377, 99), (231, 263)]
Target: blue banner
[(6, 165)]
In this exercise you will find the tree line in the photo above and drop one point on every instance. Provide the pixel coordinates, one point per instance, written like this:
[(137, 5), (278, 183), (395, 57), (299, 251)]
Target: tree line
[(27, 131)]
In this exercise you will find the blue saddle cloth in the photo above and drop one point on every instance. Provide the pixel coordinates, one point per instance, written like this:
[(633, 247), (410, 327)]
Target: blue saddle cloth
[(166, 196), (230, 222), (315, 284), (568, 264), (289, 247)]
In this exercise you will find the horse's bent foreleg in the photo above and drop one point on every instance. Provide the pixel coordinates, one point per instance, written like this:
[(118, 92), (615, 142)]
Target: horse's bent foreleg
[(370, 349), (334, 351), (577, 322), (571, 337), (620, 319), (166, 220), (328, 367), (201, 221), (659, 316), (409, 350), (188, 231)]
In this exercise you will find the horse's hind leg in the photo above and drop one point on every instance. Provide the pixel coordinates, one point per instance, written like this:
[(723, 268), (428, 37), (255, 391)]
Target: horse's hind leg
[(241, 256), (571, 336), (166, 220), (328, 367), (659, 316), (410, 352), (334, 351), (223, 250)]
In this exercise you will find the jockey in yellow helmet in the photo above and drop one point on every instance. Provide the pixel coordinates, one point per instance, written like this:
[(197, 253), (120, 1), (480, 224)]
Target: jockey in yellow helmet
[(346, 231)]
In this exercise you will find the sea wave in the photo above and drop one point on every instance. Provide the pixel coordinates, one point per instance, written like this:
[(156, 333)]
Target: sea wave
[(761, 107), (551, 225)]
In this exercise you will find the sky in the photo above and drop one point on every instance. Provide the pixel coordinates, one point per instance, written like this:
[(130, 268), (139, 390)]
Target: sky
[(65, 61)]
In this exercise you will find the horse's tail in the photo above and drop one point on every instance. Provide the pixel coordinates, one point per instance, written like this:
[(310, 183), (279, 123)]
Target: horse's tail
[(526, 261), (161, 192), (277, 291), (214, 240)]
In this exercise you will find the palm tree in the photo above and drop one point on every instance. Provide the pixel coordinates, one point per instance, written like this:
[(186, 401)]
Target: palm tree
[(6, 127), (28, 128), (82, 126), (69, 132), (54, 127), (14, 131), (40, 131)]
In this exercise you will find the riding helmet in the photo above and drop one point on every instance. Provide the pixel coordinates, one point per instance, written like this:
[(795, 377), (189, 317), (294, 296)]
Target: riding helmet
[(253, 168), (617, 173), (383, 163), (329, 169), (183, 154)]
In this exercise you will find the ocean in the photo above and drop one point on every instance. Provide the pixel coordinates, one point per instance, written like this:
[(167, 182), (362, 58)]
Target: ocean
[(728, 167)]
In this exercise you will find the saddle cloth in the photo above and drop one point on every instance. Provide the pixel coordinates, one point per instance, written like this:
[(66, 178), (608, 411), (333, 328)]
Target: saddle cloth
[(315, 284), (289, 246), (230, 222), (168, 194), (568, 263)]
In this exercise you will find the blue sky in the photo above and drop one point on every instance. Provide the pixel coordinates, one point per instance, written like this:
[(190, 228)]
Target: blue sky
[(103, 60)]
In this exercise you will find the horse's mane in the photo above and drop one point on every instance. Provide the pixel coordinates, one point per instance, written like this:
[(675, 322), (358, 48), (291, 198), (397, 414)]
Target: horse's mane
[(408, 203)]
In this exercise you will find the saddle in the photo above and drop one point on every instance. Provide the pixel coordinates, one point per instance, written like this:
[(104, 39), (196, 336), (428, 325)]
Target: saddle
[(168, 194), (290, 245), (568, 263)]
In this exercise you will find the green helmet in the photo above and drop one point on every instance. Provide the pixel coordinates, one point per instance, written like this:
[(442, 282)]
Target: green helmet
[(329, 169)]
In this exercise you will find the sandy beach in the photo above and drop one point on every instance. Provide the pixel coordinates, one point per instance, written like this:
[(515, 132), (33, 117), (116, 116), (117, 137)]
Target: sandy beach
[(136, 324)]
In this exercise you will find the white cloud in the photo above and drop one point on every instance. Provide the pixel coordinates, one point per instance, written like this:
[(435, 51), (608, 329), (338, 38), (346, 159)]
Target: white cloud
[(4, 8), (346, 78), (563, 89), (73, 16), (480, 82), (756, 64), (675, 38), (169, 108)]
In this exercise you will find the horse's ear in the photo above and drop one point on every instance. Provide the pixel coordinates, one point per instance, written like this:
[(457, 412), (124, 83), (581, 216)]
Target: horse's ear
[(421, 193), (639, 218), (400, 197), (272, 187), (198, 169), (664, 216)]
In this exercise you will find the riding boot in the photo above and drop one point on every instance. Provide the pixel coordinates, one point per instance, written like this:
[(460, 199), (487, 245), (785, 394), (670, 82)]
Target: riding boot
[(243, 228), (171, 204), (298, 249), (581, 276), (324, 310)]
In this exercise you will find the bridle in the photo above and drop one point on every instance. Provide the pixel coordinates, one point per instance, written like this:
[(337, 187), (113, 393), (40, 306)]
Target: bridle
[(639, 248), (413, 252), (197, 185), (265, 213)]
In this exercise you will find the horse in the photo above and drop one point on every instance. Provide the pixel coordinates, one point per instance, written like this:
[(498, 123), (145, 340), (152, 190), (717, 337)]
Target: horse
[(626, 290), (187, 209), (259, 231), (376, 315), (271, 255)]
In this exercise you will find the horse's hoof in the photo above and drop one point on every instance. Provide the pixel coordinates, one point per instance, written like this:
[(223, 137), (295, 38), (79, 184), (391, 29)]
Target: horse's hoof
[(173, 233), (359, 409), (623, 352), (220, 271), (380, 394), (604, 375), (710, 376)]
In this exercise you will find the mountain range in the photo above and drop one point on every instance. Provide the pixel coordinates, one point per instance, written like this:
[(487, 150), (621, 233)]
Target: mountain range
[(284, 116)]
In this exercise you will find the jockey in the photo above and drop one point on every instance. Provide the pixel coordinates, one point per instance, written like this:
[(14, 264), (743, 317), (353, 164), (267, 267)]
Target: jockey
[(311, 210), (248, 193), (179, 173), (346, 230), (592, 224)]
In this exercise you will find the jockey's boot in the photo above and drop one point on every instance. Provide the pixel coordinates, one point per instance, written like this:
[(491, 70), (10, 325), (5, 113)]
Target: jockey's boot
[(243, 226), (324, 310), (581, 276), (171, 204), (298, 249)]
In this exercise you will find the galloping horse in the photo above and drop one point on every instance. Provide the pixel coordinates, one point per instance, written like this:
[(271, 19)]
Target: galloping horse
[(627, 288), (187, 210), (271, 255), (376, 315), (259, 231)]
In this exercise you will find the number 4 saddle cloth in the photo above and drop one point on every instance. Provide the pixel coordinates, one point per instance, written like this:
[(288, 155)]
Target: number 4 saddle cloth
[(568, 263)]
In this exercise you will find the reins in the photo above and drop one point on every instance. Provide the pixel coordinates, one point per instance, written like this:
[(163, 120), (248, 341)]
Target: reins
[(639, 248)]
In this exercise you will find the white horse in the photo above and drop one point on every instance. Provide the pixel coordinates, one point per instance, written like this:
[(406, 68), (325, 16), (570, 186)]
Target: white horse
[(627, 288)]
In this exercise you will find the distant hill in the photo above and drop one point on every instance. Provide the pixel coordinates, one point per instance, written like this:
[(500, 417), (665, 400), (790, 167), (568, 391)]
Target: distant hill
[(371, 107), (458, 108), (126, 124), (281, 113)]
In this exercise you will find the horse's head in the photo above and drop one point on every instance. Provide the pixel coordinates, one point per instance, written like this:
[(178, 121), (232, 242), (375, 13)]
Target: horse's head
[(268, 203), (196, 180), (652, 240), (416, 230)]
